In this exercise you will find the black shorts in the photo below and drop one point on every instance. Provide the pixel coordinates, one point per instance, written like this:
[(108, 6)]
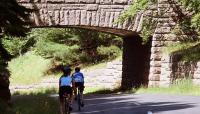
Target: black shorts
[(80, 85), (65, 90)]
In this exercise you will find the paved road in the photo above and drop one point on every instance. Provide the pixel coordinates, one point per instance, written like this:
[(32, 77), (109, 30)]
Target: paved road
[(140, 104)]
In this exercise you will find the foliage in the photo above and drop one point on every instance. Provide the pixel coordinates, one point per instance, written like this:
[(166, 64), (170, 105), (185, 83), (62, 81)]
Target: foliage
[(17, 46), (14, 18), (136, 6), (148, 28), (194, 7), (110, 52), (13, 21), (172, 48), (66, 46), (148, 23), (48, 49), (196, 22)]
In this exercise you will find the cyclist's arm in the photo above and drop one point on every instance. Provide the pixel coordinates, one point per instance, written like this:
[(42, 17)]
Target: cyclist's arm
[(73, 84), (82, 77), (59, 82)]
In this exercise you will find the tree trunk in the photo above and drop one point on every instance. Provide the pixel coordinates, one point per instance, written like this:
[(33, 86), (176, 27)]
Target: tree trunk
[(4, 54), (4, 75)]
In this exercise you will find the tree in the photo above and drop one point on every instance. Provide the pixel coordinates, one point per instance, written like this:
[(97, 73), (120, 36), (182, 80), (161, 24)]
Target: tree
[(14, 21)]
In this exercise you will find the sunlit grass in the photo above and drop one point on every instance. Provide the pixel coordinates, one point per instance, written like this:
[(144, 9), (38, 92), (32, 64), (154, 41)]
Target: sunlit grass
[(27, 69), (179, 46), (36, 91), (183, 87), (53, 90)]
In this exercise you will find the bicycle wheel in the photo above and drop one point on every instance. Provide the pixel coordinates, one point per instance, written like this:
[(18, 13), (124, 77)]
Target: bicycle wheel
[(79, 100), (66, 107)]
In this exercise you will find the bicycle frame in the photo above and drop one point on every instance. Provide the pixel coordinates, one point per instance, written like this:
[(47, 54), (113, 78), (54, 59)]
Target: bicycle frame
[(66, 104)]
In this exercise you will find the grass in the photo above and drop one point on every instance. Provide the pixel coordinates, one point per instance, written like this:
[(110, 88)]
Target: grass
[(30, 68), (36, 91), (36, 102), (39, 101), (27, 69), (179, 46), (87, 90), (183, 87)]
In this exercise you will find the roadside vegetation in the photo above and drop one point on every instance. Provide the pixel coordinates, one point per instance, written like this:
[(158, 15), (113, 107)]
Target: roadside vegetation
[(181, 87), (28, 69)]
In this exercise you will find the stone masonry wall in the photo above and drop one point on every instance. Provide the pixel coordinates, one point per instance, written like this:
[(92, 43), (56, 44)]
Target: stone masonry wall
[(161, 64), (91, 14), (166, 68), (182, 69)]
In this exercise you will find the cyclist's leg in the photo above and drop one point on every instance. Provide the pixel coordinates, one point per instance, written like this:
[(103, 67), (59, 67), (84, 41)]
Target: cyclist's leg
[(75, 90), (61, 100), (61, 106), (81, 92), (70, 95)]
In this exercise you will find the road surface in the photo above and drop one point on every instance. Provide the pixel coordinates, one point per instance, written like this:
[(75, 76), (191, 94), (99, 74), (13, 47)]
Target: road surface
[(139, 104)]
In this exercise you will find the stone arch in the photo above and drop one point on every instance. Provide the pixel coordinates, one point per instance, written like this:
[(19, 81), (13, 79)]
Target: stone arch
[(97, 15)]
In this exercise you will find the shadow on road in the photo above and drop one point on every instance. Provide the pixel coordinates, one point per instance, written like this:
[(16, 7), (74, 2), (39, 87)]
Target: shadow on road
[(126, 104), (47, 103)]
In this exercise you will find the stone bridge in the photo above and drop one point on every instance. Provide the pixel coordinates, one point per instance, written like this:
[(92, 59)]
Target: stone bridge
[(142, 64), (91, 14)]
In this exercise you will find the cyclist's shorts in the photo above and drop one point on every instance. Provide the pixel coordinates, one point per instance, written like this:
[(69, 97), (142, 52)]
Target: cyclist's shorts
[(65, 89), (81, 85)]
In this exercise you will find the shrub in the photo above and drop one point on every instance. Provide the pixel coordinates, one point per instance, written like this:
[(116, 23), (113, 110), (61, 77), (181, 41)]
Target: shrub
[(108, 53)]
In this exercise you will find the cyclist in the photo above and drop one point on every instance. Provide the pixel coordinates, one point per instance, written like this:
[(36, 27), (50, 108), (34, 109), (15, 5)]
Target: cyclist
[(65, 86), (79, 82)]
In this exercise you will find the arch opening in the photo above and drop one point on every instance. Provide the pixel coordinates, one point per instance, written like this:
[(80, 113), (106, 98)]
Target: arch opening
[(136, 62)]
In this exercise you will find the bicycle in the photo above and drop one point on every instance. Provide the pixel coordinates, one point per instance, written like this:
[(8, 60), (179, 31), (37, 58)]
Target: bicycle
[(66, 108), (79, 100)]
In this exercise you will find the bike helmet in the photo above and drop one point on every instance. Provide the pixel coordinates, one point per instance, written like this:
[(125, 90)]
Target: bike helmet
[(66, 70)]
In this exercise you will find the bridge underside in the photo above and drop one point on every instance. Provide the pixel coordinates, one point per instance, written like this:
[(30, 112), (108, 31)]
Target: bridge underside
[(119, 32), (136, 59)]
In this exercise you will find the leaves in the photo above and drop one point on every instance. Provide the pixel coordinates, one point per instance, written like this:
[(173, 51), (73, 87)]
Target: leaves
[(14, 19)]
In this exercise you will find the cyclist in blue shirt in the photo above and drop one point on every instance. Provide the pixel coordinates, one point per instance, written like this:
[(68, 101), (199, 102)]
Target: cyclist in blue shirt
[(65, 86), (78, 78)]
